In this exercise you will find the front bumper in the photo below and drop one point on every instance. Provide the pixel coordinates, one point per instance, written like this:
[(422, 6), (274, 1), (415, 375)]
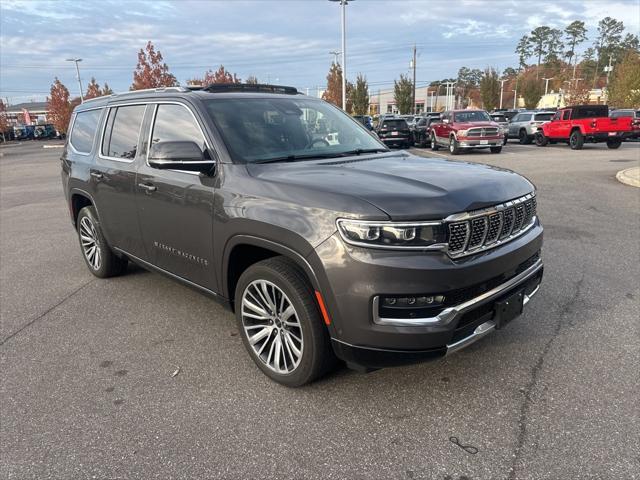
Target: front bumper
[(354, 278), (465, 142), (395, 140)]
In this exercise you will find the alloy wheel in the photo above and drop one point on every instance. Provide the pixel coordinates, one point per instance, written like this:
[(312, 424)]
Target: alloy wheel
[(271, 326), (89, 241)]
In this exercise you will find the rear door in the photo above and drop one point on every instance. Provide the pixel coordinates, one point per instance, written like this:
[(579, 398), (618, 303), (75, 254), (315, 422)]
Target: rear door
[(564, 125), (176, 207), (114, 173)]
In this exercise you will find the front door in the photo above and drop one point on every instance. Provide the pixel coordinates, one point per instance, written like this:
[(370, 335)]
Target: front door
[(175, 208)]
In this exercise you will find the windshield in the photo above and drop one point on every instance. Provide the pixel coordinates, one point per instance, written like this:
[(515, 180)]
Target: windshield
[(543, 117), (471, 116), (499, 118), (262, 129)]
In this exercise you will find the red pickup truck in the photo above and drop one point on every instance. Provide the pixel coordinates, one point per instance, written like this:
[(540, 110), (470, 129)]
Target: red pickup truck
[(585, 123), (465, 129)]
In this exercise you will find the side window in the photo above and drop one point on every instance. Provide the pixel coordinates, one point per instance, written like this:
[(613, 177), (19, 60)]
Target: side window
[(84, 130), (516, 118), (122, 132), (566, 115), (556, 116), (175, 123)]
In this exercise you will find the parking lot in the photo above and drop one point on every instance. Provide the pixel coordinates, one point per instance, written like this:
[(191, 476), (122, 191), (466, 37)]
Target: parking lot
[(140, 377)]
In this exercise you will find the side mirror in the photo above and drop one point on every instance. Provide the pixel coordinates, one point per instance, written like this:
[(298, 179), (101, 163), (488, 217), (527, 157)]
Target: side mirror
[(179, 156)]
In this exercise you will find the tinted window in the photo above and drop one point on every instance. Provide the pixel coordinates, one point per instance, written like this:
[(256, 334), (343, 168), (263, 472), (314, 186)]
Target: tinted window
[(499, 118), (543, 117), (566, 115), (394, 124), (122, 132), (471, 116), (84, 130), (174, 123), (622, 113), (422, 122)]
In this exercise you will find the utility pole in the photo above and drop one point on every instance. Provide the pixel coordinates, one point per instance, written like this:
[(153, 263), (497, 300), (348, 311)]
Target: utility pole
[(546, 84), (343, 15), (501, 87), (76, 60), (608, 69), (413, 64), (515, 96)]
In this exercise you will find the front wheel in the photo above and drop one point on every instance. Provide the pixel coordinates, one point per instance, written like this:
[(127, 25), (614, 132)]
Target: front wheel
[(99, 257), (523, 137), (280, 323), (614, 143), (576, 140), (495, 149), (454, 146)]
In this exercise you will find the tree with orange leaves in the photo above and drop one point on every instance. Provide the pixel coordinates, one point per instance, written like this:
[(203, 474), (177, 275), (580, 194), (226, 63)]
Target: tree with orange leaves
[(59, 106), (3, 119), (151, 71), (221, 75), (93, 89)]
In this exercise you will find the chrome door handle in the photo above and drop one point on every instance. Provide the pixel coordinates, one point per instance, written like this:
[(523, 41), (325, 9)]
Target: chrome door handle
[(97, 175), (147, 187)]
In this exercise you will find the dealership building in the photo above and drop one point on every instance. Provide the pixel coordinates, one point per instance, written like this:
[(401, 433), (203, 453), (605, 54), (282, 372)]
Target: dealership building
[(29, 113)]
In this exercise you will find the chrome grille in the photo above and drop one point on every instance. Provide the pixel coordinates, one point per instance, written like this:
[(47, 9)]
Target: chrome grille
[(482, 132), (475, 231)]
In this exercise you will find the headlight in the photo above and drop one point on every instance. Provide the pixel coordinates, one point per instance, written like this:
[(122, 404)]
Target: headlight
[(413, 235), (462, 133)]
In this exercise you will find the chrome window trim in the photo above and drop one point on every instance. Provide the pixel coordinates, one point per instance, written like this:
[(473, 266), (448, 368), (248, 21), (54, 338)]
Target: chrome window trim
[(153, 122), (104, 129), (73, 124), (449, 314)]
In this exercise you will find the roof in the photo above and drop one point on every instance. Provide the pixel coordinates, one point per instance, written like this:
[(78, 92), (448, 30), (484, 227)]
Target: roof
[(31, 106), (219, 90)]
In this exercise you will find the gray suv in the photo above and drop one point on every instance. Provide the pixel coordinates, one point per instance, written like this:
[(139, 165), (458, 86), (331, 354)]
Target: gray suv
[(325, 244), (524, 125)]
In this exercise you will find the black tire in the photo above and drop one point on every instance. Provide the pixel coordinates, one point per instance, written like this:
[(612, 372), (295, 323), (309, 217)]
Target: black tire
[(97, 254), (614, 143), (541, 140), (422, 142), (523, 137), (506, 139), (495, 149), (576, 140), (434, 143), (317, 356), (454, 148)]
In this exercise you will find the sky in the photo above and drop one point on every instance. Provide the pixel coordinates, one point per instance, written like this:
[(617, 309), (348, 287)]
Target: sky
[(279, 41)]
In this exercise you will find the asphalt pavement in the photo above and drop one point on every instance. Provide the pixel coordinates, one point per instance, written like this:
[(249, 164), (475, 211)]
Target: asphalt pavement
[(87, 366)]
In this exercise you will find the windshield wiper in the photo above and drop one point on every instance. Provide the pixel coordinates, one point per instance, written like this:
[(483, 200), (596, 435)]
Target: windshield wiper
[(359, 151), (293, 158)]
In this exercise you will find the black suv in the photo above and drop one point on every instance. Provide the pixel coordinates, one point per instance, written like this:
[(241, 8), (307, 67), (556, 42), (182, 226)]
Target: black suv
[(323, 242), (394, 131)]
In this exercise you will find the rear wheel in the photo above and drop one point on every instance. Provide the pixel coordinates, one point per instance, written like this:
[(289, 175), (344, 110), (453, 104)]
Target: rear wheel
[(495, 149), (506, 138), (454, 147), (523, 137), (576, 140), (434, 144), (614, 143), (541, 140), (99, 257), (280, 323)]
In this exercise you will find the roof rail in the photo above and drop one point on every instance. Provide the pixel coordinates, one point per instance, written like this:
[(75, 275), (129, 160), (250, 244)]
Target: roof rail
[(146, 90), (249, 87)]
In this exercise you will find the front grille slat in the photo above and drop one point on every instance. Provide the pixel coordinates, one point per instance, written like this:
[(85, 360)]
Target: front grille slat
[(476, 231)]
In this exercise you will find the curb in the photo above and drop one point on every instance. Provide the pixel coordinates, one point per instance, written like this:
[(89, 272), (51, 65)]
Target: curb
[(629, 176)]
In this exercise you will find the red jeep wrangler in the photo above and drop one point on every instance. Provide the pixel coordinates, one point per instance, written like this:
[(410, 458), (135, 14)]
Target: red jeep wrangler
[(585, 123), (464, 129)]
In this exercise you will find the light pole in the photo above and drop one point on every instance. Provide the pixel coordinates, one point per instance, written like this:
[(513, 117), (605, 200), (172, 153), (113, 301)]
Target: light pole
[(501, 87), (515, 96), (335, 54), (76, 60), (546, 84), (343, 4)]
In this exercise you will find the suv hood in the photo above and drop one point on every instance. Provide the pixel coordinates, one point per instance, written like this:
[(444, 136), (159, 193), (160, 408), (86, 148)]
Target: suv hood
[(468, 125), (404, 186)]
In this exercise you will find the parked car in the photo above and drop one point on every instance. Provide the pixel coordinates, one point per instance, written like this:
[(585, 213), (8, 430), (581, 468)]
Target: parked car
[(466, 129), (422, 130), (501, 120), (635, 122), (43, 132), (394, 131), (24, 132), (585, 123), (524, 125), (366, 120), (380, 258)]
